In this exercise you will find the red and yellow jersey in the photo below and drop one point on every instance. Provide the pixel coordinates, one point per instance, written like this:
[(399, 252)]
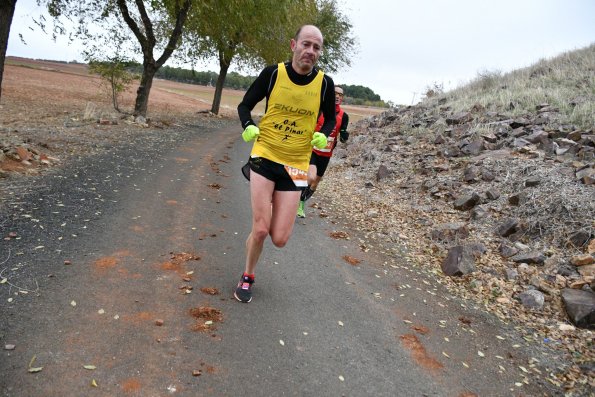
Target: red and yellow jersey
[(287, 127)]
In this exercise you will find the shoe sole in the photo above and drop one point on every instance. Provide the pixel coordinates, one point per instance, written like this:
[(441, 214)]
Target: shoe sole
[(239, 300)]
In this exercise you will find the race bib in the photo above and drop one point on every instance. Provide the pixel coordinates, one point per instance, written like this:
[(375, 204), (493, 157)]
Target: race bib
[(299, 177)]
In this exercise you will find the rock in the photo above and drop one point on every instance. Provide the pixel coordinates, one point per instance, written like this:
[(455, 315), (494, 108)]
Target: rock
[(450, 232), (487, 175), (473, 148), (537, 137), (567, 270), (509, 227), (580, 307), (478, 213), (587, 270), (518, 198), (507, 250), (493, 194), (467, 202), (582, 260), (532, 299), (534, 257), (458, 261), (459, 118), (578, 239), (532, 181), (512, 274), (471, 174), (586, 176), (519, 122), (382, 173)]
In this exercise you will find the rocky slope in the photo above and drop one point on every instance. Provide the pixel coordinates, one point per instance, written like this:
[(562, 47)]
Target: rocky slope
[(499, 208)]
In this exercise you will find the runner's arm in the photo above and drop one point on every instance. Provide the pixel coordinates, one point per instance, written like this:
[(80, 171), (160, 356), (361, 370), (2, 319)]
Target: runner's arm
[(328, 106), (259, 89), (343, 134)]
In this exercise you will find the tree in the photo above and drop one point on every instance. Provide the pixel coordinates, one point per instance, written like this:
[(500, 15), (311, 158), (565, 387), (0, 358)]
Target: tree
[(253, 33), (339, 44), (149, 27), (6, 14), (233, 30), (115, 75)]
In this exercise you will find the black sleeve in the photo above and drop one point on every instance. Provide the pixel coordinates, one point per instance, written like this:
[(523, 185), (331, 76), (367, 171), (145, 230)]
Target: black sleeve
[(259, 90), (328, 106), (343, 134), (344, 122)]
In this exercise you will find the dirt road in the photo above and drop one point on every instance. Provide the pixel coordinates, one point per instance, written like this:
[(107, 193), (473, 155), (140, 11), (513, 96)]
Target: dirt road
[(118, 280)]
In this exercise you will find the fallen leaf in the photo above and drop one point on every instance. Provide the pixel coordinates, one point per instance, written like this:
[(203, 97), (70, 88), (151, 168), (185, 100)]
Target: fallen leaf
[(480, 354), (341, 378), (9, 347), (93, 383), (89, 367), (3, 281), (35, 369), (340, 323), (281, 342), (73, 303)]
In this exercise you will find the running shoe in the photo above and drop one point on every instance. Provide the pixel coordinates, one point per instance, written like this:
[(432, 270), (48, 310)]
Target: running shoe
[(300, 211), (243, 291)]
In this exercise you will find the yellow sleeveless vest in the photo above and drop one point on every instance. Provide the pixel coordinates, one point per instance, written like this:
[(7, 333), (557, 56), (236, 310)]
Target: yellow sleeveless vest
[(287, 127)]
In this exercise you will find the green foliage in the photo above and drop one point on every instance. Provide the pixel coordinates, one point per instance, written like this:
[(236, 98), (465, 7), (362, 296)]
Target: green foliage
[(115, 76), (360, 92), (339, 43)]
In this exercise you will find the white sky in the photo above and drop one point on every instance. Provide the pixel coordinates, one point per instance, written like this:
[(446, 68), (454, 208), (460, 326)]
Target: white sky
[(406, 46)]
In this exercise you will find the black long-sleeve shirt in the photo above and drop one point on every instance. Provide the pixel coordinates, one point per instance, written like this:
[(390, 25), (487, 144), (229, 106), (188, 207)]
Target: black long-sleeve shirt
[(263, 85)]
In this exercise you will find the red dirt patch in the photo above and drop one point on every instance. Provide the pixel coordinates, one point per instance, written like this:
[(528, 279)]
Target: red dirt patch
[(205, 313), (351, 260), (139, 318), (419, 353), (105, 263), (339, 235), (131, 385), (210, 290), (420, 329)]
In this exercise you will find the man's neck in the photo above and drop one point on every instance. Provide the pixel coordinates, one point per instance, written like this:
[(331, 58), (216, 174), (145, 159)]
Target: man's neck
[(300, 71)]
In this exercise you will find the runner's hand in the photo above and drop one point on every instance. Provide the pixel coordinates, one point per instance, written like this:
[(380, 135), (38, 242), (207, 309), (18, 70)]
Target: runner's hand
[(250, 133), (319, 140)]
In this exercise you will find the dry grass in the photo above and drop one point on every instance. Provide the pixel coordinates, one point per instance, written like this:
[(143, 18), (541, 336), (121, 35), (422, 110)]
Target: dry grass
[(566, 82)]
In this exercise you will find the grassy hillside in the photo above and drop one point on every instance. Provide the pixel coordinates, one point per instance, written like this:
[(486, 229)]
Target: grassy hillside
[(566, 82)]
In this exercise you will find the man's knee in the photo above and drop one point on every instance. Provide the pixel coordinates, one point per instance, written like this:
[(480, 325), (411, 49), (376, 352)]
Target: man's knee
[(279, 241), (259, 233)]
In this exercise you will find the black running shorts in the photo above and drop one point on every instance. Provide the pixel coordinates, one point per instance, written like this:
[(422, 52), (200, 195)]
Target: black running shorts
[(321, 162), (272, 171)]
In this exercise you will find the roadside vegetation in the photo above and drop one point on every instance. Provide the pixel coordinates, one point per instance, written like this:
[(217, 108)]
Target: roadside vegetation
[(565, 82)]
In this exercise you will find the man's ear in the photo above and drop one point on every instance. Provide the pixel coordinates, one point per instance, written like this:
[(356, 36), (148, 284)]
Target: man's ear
[(292, 44)]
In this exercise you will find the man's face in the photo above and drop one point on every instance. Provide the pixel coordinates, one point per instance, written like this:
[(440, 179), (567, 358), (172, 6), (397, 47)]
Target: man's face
[(306, 49), (338, 95)]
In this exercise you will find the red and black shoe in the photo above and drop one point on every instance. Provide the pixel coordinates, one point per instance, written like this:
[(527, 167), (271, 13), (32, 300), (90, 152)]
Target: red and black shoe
[(243, 291)]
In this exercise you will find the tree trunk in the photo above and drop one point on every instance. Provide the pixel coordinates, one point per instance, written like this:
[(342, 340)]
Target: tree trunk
[(142, 93), (147, 41), (6, 13), (224, 62), (219, 89)]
